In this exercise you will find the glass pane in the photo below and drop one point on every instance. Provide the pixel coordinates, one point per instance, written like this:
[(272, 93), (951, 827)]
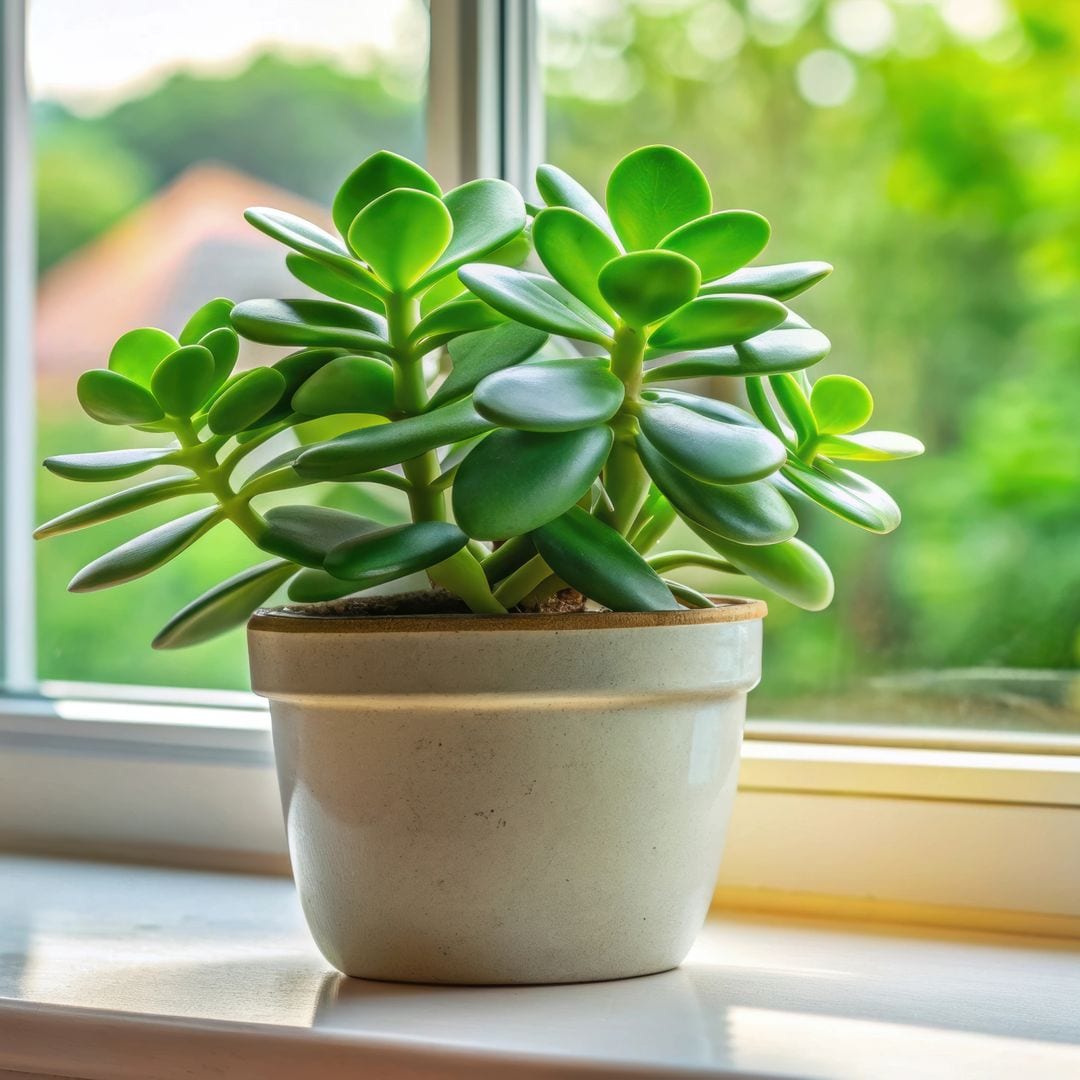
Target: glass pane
[(929, 149), (156, 125)]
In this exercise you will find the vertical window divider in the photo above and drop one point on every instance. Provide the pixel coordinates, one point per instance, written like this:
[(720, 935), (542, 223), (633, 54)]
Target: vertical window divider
[(18, 669)]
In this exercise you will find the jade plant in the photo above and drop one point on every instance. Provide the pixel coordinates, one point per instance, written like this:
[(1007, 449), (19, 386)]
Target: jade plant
[(524, 413)]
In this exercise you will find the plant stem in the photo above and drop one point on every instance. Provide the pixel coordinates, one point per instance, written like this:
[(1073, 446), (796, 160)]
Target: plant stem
[(523, 581), (625, 479)]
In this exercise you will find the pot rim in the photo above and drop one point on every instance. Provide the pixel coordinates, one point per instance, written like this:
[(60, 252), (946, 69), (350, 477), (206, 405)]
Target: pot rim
[(280, 620)]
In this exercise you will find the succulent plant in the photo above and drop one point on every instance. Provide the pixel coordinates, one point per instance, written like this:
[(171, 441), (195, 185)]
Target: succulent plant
[(550, 454)]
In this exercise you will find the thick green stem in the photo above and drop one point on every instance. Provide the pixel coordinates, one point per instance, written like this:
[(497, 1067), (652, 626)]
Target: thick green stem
[(625, 479), (523, 581)]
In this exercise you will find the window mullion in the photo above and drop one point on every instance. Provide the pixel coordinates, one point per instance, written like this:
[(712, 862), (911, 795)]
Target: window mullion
[(17, 631)]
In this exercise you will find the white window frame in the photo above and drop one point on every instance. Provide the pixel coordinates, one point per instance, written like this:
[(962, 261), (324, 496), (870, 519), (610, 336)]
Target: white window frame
[(929, 825)]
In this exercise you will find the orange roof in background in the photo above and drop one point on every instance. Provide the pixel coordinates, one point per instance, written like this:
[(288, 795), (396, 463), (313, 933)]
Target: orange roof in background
[(185, 245)]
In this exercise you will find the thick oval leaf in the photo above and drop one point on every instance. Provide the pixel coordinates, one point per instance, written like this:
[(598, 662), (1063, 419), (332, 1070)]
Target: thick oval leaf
[(526, 298), (317, 586), (398, 550), (551, 395), (400, 235), (720, 243), (723, 411), (111, 398), (312, 241), (306, 534), (374, 176), (224, 607), (515, 481), (871, 446), (184, 380), (575, 250), (840, 404), (653, 191), (477, 355), (710, 321), (328, 281), (211, 316), (793, 569), (390, 444), (138, 352), (709, 449), (461, 316), (781, 282), (145, 553), (754, 513), (310, 322), (224, 346), (110, 464), (486, 214), (792, 400), (558, 188), (118, 504), (348, 384), (781, 350), (250, 397), (442, 292), (646, 286), (846, 494), (599, 563), (298, 367)]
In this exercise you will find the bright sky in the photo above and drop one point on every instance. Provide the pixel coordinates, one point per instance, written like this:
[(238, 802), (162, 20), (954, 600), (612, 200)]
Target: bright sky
[(91, 53)]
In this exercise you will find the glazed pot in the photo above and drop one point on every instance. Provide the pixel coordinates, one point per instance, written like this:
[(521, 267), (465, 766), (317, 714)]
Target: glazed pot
[(507, 799)]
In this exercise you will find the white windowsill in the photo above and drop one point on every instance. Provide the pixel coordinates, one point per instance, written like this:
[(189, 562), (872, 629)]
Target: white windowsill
[(124, 972)]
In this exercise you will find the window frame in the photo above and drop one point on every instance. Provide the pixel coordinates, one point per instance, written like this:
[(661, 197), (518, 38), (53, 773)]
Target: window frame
[(898, 820)]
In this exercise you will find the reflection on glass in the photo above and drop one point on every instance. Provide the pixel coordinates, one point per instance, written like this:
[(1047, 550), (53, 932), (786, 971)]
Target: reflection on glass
[(156, 126), (929, 150)]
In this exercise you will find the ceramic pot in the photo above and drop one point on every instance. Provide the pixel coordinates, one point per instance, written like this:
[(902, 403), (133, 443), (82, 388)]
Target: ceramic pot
[(507, 799)]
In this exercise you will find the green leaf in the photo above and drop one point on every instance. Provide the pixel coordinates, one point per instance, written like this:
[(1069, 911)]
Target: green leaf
[(646, 286), (118, 504), (442, 292), (224, 346), (871, 446), (347, 384), (184, 380), (306, 534), (400, 235), (250, 397), (793, 569), (396, 551), (526, 298), (461, 316), (790, 396), (330, 282), (486, 214), (224, 607), (310, 322), (781, 282), (708, 449), (689, 597), (575, 250), (782, 350), (514, 481), (484, 352), (720, 243), (111, 398), (298, 367), (138, 352), (753, 513), (317, 586), (110, 464), (311, 241), (653, 191), (211, 316), (846, 494), (840, 404), (710, 321), (374, 177), (389, 444), (146, 552), (723, 411), (558, 188), (551, 395), (598, 562)]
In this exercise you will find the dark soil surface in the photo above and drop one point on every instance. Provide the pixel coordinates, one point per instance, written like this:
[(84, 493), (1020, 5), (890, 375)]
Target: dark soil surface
[(425, 602)]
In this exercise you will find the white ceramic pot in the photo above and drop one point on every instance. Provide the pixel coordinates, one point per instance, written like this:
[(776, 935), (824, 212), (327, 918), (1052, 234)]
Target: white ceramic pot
[(507, 799)]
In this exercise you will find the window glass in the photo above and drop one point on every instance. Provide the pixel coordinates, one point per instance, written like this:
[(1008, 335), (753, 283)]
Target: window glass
[(929, 149), (155, 126)]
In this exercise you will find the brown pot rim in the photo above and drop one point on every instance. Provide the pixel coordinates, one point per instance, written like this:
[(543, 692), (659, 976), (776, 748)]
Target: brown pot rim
[(729, 609)]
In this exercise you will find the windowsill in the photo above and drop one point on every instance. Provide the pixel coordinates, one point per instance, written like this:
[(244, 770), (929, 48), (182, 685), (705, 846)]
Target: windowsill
[(124, 972)]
